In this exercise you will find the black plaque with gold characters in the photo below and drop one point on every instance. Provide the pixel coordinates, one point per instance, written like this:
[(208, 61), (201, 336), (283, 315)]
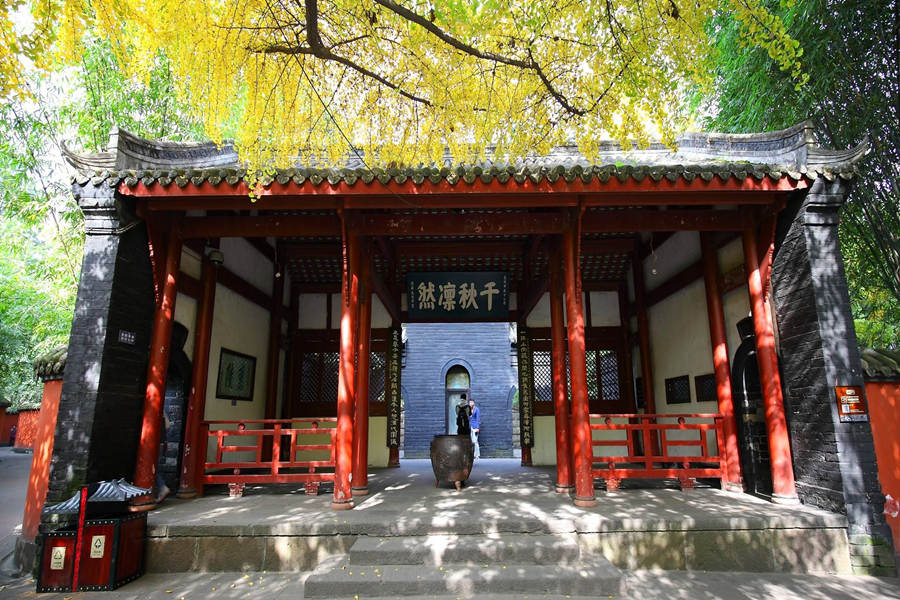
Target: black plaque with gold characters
[(526, 387), (394, 366)]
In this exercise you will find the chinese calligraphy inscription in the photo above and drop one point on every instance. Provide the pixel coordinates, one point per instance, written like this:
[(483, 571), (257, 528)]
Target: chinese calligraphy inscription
[(526, 387), (458, 296), (394, 366)]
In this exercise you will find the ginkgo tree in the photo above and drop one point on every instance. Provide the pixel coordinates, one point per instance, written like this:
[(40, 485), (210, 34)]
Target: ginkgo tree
[(403, 80)]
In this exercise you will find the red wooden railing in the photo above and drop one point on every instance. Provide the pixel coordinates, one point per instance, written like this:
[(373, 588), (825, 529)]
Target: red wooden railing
[(275, 445), (635, 463)]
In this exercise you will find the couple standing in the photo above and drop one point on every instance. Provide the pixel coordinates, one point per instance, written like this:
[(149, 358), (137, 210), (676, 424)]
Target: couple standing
[(468, 422)]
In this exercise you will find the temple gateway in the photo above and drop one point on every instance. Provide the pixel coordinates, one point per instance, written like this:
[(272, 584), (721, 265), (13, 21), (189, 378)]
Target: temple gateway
[(673, 315)]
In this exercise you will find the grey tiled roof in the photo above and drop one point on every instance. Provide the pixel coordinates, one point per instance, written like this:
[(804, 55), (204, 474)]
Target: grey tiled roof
[(880, 363), (51, 365), (792, 153)]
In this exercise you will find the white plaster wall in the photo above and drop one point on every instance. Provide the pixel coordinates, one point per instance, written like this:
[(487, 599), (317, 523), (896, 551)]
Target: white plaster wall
[(679, 345), (312, 311), (242, 326), (540, 315), (605, 309), (335, 311), (381, 318), (676, 253), (610, 436), (378, 450), (544, 451), (248, 263), (186, 314), (190, 263)]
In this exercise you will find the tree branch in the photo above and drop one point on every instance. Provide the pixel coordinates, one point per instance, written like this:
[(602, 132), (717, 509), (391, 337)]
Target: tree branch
[(529, 65)]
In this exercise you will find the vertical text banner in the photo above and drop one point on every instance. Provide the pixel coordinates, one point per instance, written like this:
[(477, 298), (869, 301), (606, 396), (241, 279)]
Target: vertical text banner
[(394, 367), (458, 296), (526, 387)]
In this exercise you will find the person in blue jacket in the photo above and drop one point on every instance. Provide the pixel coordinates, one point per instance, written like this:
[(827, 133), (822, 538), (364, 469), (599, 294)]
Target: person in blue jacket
[(474, 425)]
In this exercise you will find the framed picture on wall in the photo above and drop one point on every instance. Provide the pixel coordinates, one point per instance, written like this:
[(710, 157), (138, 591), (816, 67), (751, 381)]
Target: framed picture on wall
[(236, 374)]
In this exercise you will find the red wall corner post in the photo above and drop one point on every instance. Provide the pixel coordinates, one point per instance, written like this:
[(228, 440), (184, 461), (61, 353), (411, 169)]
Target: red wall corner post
[(194, 454), (361, 418), (564, 482), (157, 370), (343, 463), (719, 342), (643, 323), (581, 428), (783, 487), (39, 476)]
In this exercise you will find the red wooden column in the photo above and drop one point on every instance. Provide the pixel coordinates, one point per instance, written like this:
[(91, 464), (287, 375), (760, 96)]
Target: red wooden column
[(157, 370), (364, 348), (194, 454), (343, 465), (581, 428), (719, 342), (564, 482), (784, 490), (274, 350)]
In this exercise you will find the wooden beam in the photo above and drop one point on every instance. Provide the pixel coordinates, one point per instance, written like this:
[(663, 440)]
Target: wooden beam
[(459, 224), (662, 220), (387, 296), (657, 239), (263, 247), (600, 286), (532, 223), (479, 193), (607, 246), (262, 226), (531, 296), (481, 248), (291, 252), (683, 278)]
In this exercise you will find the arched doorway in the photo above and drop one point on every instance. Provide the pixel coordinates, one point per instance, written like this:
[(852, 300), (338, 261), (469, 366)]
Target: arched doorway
[(457, 385)]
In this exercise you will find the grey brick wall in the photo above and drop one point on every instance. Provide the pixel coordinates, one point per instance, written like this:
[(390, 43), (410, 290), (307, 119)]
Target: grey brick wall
[(101, 403), (431, 348), (834, 462)]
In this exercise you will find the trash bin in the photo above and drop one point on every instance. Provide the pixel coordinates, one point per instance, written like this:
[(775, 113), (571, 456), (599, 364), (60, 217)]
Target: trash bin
[(98, 545)]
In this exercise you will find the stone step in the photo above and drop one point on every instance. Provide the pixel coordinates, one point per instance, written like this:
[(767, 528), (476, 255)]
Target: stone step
[(592, 577), (472, 550)]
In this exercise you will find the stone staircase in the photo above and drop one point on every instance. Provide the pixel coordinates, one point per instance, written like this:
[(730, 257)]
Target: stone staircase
[(465, 566)]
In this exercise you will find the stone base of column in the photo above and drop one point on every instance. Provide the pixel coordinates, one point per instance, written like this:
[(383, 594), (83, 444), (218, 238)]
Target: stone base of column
[(733, 487), (186, 493), (786, 500), (143, 504), (565, 489), (585, 502), (360, 491), (343, 505)]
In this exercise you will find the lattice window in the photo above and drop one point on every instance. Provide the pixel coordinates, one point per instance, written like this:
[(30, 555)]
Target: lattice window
[(592, 380), (543, 376), (377, 376), (330, 364), (609, 374), (678, 390), (705, 386), (310, 375)]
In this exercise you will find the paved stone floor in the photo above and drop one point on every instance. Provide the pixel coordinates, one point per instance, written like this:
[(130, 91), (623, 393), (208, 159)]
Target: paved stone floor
[(405, 501), (641, 585)]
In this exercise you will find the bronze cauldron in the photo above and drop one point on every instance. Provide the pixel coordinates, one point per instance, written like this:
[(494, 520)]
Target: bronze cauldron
[(451, 458)]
